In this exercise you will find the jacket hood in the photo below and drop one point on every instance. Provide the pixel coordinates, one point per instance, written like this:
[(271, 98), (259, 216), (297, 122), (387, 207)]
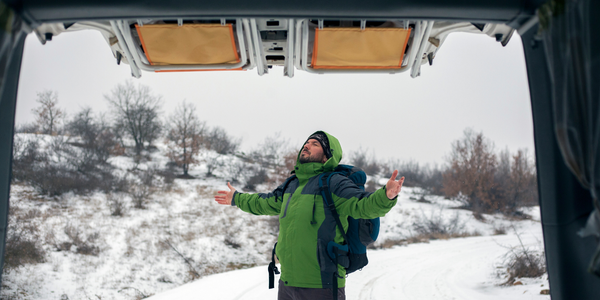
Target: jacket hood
[(316, 168)]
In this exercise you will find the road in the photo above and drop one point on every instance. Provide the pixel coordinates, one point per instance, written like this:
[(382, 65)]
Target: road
[(461, 269)]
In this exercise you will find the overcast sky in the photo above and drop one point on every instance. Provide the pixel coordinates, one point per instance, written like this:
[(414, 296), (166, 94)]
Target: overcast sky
[(474, 82)]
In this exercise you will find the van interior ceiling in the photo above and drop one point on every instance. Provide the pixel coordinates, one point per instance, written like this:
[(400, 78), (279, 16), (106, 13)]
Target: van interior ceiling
[(562, 58)]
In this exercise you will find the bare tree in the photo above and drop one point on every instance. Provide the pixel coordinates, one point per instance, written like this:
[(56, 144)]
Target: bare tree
[(136, 111), (472, 169), (184, 136), (523, 184), (48, 115)]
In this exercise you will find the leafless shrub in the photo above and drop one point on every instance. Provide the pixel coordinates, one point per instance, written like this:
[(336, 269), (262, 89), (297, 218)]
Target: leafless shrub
[(219, 141), (116, 203), (213, 162), (148, 177), (168, 176), (83, 245), (523, 262), (26, 128), (362, 160), (120, 184), (59, 168), (434, 179), (97, 138), (236, 170), (139, 194), (271, 152), (435, 226), (23, 244), (499, 230), (414, 173), (256, 179)]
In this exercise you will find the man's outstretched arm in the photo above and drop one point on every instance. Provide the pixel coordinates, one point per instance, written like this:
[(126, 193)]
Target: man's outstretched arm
[(257, 204), (352, 201)]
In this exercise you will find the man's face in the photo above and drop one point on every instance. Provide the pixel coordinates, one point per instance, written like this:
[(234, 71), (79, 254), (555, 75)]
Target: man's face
[(312, 152)]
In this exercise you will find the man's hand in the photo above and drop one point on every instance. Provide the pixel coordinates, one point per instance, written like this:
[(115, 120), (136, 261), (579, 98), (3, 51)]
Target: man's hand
[(224, 197), (393, 187)]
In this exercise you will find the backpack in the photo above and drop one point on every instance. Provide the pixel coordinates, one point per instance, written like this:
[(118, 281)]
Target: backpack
[(361, 232)]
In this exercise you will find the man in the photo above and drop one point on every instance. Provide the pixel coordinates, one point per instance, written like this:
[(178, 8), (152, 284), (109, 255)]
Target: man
[(306, 223)]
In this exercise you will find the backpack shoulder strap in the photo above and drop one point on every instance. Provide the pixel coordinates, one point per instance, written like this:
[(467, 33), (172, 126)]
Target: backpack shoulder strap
[(285, 185), (324, 180)]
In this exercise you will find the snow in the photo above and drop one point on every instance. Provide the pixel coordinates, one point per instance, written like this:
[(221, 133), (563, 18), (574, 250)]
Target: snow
[(144, 252), (460, 268)]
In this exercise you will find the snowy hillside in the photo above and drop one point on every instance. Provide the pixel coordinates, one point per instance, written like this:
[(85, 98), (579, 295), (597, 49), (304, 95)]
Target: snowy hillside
[(174, 245)]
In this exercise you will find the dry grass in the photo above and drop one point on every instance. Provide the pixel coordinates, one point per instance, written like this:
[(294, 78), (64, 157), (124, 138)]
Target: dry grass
[(421, 238)]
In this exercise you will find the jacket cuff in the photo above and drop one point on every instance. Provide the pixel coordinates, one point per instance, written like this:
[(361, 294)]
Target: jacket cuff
[(233, 198)]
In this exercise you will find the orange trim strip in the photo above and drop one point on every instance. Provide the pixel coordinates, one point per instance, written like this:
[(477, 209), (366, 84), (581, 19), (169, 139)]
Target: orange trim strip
[(313, 61), (137, 28), (404, 47), (167, 71), (353, 67), (237, 58)]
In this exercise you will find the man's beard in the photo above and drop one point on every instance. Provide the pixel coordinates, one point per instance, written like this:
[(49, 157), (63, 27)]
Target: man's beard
[(310, 158)]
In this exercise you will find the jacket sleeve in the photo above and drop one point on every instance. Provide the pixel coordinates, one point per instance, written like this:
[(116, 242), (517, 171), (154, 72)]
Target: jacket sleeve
[(350, 200), (260, 203)]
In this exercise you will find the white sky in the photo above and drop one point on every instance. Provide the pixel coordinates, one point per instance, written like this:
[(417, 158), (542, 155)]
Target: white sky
[(474, 82)]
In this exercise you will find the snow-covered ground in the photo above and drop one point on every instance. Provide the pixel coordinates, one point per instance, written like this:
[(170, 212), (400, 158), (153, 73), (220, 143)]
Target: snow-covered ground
[(185, 246), (463, 268)]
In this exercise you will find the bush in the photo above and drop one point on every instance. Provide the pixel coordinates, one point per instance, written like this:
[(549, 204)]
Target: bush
[(116, 203), (83, 245), (361, 160), (97, 139), (258, 178), (213, 162), (271, 153), (219, 141), (57, 167), (27, 128), (435, 226), (23, 245), (523, 262), (236, 170)]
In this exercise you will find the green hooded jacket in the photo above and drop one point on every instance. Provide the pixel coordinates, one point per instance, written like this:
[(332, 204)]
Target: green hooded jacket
[(306, 224)]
